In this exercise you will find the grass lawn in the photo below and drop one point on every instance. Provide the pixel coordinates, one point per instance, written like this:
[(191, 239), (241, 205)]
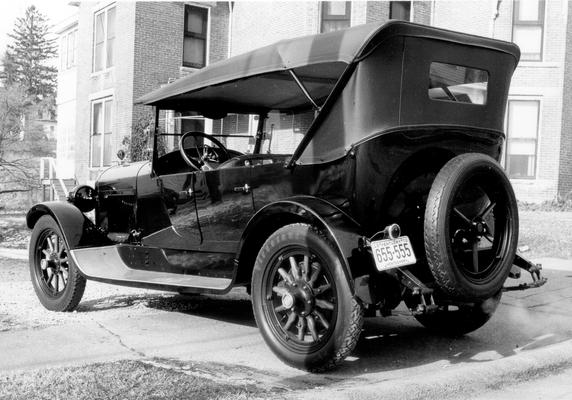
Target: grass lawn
[(120, 380), (546, 233)]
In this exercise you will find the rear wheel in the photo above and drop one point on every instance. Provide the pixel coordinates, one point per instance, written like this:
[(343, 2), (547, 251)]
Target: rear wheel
[(302, 300), (56, 280), (471, 227)]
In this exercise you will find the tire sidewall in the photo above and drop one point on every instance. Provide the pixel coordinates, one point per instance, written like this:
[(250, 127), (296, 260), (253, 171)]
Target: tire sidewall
[(455, 173), (302, 235), (65, 301)]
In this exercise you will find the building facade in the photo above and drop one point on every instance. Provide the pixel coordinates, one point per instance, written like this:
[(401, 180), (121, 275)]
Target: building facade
[(126, 49), (537, 154), (120, 51)]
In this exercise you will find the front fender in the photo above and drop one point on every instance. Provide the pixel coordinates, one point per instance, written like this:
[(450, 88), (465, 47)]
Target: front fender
[(77, 229), (343, 231)]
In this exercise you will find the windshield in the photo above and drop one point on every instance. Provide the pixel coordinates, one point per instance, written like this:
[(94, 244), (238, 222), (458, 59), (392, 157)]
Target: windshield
[(227, 141)]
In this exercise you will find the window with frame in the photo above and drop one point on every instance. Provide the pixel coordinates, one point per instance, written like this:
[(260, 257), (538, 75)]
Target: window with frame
[(528, 28), (336, 15), (400, 10), (195, 39), (457, 83), (522, 136), (103, 39), (68, 50), (101, 130)]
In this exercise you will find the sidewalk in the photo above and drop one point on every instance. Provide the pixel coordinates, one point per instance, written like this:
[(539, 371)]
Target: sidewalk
[(555, 263), (15, 254)]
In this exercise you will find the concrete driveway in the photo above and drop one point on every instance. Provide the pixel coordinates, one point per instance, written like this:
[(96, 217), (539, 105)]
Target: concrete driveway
[(216, 336)]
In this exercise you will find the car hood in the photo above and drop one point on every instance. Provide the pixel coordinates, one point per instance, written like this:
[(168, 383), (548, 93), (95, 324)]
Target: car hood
[(120, 179)]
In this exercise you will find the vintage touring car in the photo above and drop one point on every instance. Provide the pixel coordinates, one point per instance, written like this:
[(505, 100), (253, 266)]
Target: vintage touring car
[(333, 176)]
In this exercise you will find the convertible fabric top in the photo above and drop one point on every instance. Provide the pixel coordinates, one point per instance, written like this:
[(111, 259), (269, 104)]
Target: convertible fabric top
[(259, 80), (320, 58)]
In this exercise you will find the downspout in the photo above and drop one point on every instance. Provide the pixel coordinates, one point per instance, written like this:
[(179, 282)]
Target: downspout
[(230, 18)]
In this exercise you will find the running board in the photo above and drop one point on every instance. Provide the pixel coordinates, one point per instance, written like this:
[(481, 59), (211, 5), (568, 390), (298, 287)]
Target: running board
[(106, 264)]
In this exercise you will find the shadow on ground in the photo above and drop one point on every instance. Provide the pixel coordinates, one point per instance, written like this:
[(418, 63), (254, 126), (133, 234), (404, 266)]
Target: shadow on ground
[(387, 344)]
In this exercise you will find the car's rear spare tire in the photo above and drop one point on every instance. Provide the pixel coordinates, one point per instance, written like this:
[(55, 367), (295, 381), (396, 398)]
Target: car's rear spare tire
[(471, 227)]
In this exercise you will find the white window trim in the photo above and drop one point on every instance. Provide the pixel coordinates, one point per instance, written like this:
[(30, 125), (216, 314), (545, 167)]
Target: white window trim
[(208, 43), (542, 60), (352, 14), (105, 68), (540, 100), (65, 52), (102, 101)]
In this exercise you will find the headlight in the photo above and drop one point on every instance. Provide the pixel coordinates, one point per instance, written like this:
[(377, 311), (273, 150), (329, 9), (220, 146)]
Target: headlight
[(83, 197)]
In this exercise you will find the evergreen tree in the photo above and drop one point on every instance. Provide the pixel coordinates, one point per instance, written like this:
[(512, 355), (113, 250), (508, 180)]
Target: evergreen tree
[(9, 74), (25, 61)]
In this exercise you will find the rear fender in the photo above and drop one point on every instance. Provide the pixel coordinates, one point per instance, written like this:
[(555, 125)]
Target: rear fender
[(77, 229), (341, 230)]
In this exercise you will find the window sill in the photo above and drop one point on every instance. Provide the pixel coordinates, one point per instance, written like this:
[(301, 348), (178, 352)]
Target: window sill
[(538, 64), (102, 72), (188, 70), (529, 181)]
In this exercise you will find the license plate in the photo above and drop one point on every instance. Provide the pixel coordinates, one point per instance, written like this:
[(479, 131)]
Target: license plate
[(392, 253)]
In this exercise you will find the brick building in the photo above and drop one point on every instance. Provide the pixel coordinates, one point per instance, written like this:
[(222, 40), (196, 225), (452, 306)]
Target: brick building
[(114, 53), (154, 43), (538, 153)]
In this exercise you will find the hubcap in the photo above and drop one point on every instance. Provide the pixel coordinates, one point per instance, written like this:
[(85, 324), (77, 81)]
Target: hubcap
[(287, 301)]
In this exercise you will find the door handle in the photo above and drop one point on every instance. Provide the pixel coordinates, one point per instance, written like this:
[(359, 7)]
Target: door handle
[(244, 189), (186, 194)]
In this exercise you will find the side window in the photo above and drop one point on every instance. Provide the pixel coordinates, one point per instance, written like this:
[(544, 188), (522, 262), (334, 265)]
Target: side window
[(400, 10), (528, 28), (68, 50), (101, 132), (104, 39), (522, 138), (195, 39), (336, 15), (456, 83)]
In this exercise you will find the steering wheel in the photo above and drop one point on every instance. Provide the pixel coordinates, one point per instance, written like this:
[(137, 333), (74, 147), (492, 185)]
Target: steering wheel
[(217, 153)]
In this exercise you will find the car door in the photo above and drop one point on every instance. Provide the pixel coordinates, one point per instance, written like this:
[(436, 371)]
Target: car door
[(170, 217), (224, 205)]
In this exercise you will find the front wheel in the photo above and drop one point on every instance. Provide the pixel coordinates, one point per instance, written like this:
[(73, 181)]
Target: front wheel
[(56, 280), (302, 300)]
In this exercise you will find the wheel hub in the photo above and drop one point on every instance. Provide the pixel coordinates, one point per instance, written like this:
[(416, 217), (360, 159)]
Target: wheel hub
[(299, 298), (479, 227), (287, 301)]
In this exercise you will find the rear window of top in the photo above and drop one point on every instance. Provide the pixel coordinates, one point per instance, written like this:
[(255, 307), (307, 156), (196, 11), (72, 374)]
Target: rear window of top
[(456, 83)]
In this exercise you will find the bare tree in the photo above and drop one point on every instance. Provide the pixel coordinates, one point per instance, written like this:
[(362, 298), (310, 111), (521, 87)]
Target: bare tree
[(16, 174)]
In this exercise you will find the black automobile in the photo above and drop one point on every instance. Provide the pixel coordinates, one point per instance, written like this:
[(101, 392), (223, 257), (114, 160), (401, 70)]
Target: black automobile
[(333, 176)]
